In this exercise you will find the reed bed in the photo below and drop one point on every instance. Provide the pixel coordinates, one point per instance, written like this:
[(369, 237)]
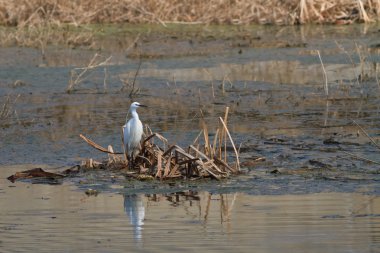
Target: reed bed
[(204, 158), (34, 12)]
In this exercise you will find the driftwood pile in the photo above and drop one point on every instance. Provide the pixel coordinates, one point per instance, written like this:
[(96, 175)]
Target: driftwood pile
[(204, 158)]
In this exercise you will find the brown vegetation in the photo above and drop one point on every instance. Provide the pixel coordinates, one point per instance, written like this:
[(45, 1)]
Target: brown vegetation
[(204, 158), (33, 12)]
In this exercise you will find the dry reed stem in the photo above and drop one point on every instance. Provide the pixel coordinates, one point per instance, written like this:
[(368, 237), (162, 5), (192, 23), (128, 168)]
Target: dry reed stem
[(159, 165), (209, 161), (97, 146), (222, 137), (224, 133), (167, 166), (224, 164), (197, 138), (232, 143), (363, 13), (214, 150), (111, 155), (207, 146)]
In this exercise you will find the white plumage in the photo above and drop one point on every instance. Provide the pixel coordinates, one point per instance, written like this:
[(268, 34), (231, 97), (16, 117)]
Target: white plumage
[(132, 132)]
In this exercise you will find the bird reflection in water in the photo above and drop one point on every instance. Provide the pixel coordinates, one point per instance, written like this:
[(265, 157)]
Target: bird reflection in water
[(194, 204), (135, 210)]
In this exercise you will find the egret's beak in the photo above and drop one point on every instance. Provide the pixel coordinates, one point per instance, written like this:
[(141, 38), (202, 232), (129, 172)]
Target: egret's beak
[(143, 105)]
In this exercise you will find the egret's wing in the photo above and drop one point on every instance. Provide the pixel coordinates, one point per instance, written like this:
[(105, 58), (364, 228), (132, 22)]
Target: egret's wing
[(132, 135), (136, 134), (125, 137), (122, 138)]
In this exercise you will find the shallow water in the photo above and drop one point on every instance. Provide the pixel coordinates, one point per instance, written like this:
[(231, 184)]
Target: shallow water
[(308, 195), (48, 218)]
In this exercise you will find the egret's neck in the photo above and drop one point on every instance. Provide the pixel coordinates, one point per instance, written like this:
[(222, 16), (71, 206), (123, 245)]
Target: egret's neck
[(134, 114)]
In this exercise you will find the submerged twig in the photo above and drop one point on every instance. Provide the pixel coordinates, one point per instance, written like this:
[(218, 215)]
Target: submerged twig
[(365, 132), (361, 158)]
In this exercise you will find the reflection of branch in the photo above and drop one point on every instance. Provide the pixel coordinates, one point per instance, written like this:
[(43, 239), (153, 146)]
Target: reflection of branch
[(207, 206), (351, 60), (324, 74), (79, 77), (231, 206)]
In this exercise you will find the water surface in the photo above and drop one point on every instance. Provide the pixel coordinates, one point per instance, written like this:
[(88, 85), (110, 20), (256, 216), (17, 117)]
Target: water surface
[(48, 218), (311, 192)]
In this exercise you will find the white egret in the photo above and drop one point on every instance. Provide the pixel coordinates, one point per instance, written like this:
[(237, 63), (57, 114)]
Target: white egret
[(132, 133)]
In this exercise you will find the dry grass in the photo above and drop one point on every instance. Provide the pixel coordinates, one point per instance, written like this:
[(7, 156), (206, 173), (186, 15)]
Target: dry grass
[(205, 158), (43, 34), (39, 23), (23, 13)]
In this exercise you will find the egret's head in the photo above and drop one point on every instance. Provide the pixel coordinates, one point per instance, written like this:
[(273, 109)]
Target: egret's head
[(136, 105)]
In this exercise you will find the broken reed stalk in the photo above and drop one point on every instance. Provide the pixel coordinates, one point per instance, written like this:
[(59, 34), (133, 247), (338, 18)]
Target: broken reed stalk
[(232, 143), (97, 146), (224, 133), (222, 137)]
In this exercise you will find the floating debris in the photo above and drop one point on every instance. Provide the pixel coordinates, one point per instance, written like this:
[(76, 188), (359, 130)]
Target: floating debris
[(35, 173), (91, 192)]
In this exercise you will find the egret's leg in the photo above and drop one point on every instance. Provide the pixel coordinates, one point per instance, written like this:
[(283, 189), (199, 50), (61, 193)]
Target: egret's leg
[(132, 164), (129, 161)]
